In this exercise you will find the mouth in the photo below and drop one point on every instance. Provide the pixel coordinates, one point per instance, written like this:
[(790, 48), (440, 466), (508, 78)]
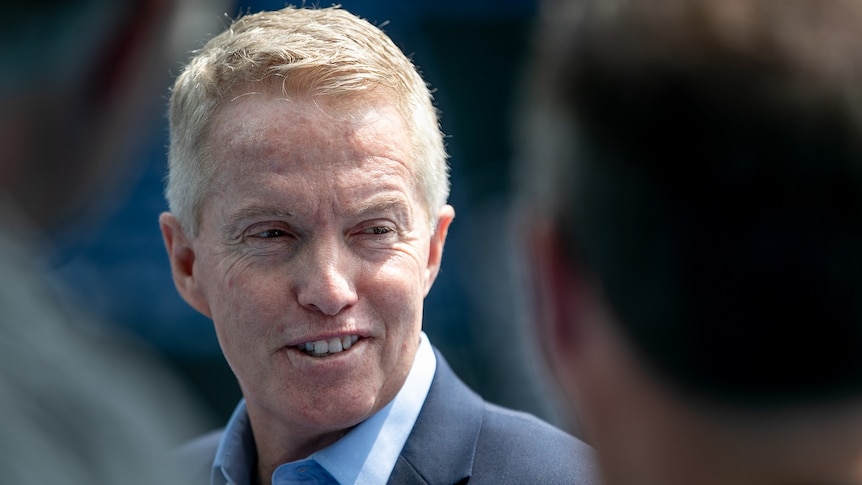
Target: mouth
[(322, 348)]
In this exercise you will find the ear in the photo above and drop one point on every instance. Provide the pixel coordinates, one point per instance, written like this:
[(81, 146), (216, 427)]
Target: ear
[(181, 255), (559, 293), (438, 240)]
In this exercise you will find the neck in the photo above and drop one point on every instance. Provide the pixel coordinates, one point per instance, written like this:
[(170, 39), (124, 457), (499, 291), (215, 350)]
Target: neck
[(645, 433), (714, 458), (275, 448), (809, 446)]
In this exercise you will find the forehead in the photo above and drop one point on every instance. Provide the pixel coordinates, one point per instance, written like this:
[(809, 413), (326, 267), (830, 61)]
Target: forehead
[(258, 123), (269, 147)]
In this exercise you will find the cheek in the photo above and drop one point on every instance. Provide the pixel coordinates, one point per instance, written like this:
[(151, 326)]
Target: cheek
[(244, 302), (398, 287)]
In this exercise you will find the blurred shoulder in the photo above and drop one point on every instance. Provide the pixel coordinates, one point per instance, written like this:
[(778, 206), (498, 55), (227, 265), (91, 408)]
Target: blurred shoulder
[(195, 457)]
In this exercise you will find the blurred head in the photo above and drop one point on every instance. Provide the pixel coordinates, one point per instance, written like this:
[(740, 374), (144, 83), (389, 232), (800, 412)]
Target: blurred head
[(707, 170), (307, 52), (695, 168), (309, 181), (80, 81)]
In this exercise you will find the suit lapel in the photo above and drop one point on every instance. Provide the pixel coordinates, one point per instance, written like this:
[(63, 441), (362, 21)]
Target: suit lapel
[(441, 447)]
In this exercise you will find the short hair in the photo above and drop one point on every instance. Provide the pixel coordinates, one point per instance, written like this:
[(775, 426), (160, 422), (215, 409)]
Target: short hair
[(704, 160), (312, 51)]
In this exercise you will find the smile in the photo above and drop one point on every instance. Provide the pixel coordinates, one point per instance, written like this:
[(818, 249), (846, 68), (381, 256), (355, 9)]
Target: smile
[(320, 348)]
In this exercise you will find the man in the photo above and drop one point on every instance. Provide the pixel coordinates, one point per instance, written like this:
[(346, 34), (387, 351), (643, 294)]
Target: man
[(695, 170), (307, 190), (79, 404)]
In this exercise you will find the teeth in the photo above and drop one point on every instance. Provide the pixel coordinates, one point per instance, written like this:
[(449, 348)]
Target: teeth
[(319, 348)]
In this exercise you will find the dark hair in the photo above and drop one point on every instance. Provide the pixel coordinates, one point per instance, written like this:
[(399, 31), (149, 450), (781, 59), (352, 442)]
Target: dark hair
[(719, 189)]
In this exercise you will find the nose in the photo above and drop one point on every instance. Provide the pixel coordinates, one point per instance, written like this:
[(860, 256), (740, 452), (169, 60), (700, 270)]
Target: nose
[(327, 286)]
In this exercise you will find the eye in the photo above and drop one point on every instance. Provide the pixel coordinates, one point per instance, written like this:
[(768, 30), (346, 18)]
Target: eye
[(269, 233), (378, 230)]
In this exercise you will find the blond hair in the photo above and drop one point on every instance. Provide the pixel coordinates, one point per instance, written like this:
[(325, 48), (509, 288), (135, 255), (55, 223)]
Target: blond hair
[(316, 52)]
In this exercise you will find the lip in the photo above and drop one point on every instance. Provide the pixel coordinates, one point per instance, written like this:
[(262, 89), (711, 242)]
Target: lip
[(330, 367)]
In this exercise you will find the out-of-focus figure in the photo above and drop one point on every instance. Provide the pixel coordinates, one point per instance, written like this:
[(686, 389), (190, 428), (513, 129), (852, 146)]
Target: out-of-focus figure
[(80, 84), (694, 172)]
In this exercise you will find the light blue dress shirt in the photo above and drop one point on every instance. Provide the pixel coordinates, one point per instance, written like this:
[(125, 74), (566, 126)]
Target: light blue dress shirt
[(365, 455)]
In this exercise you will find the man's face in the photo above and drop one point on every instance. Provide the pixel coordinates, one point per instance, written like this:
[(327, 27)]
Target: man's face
[(314, 239)]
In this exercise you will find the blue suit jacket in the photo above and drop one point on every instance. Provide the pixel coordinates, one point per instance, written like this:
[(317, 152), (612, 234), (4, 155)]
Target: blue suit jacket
[(459, 438)]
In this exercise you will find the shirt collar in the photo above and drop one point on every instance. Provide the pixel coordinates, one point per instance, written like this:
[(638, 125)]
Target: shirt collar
[(236, 452), (367, 454)]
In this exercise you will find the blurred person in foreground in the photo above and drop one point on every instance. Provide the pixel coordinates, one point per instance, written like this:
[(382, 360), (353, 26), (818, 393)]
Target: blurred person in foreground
[(308, 187), (696, 180), (79, 404)]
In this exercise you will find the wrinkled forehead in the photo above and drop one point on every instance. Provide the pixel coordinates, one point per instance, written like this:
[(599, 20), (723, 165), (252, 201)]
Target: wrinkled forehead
[(264, 115), (255, 121), (239, 117)]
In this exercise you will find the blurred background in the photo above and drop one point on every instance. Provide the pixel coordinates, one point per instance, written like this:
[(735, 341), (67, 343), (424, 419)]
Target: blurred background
[(471, 52)]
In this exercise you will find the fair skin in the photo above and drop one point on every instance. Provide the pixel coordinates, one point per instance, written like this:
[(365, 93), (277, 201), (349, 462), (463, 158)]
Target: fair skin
[(314, 231), (646, 433)]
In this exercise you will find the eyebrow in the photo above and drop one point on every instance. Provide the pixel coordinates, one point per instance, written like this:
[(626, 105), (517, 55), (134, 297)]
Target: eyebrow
[(229, 227), (385, 204)]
